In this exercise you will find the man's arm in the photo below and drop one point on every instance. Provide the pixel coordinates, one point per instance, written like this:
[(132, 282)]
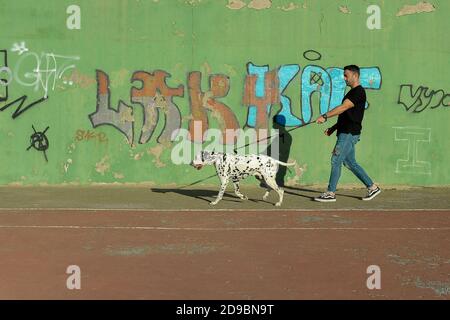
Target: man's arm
[(347, 104), (330, 130)]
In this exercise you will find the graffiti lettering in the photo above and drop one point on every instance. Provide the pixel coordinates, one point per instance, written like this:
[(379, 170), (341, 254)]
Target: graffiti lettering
[(263, 88), (155, 96), (413, 136), (422, 98), (5, 96), (47, 69), (19, 110), (121, 119), (329, 83), (200, 101), (260, 93), (87, 135)]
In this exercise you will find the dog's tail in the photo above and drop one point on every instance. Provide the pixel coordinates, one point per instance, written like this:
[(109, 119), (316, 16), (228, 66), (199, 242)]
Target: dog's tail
[(286, 164)]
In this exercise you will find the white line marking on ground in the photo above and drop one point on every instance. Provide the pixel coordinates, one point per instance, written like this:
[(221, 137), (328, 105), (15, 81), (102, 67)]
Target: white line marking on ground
[(221, 229), (221, 210)]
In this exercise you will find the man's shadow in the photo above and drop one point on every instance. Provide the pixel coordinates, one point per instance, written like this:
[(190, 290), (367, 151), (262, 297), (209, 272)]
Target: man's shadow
[(280, 148)]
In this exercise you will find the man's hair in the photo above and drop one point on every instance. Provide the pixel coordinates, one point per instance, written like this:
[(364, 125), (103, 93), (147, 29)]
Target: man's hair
[(353, 68)]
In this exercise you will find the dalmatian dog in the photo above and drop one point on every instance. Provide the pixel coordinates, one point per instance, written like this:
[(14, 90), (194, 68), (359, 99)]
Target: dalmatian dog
[(237, 167)]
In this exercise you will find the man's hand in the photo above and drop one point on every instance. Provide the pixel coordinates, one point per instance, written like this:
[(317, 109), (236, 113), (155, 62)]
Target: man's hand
[(320, 120)]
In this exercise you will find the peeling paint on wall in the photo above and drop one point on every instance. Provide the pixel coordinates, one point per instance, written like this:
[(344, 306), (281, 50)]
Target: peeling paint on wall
[(230, 70), (157, 152), (138, 156), (177, 32), (206, 68), (118, 175), (102, 166), (291, 6), (80, 79), (299, 171), (193, 2), (344, 9), (260, 4), (236, 4), (418, 8)]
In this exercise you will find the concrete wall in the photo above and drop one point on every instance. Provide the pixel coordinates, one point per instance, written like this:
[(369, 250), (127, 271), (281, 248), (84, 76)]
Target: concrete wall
[(92, 91)]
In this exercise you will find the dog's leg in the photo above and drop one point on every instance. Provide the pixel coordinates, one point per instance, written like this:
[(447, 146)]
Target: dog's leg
[(263, 184), (223, 187), (273, 184), (266, 194), (237, 191)]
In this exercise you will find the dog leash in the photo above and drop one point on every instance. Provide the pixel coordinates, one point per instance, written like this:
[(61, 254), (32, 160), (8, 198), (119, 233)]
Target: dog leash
[(198, 181), (204, 179), (296, 127)]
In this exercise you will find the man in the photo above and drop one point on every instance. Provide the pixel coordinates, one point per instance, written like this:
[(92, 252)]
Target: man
[(348, 126)]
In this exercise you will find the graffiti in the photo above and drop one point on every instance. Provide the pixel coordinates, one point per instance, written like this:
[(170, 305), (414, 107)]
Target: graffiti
[(39, 141), (19, 110), (413, 136), (285, 75), (20, 48), (421, 98), (87, 135), (263, 88), (316, 79), (267, 88), (4, 82), (46, 70), (312, 55), (200, 102), (4, 96), (121, 119), (156, 97), (260, 93), (41, 77)]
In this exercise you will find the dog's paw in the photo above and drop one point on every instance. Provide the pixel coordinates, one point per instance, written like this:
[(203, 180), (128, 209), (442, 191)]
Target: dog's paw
[(244, 198), (213, 203), (278, 204), (265, 196)]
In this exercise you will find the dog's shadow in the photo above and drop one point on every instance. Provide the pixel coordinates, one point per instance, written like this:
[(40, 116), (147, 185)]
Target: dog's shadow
[(200, 194)]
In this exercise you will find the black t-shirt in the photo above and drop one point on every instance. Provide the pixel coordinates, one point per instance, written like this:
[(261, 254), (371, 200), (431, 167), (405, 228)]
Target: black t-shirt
[(350, 120)]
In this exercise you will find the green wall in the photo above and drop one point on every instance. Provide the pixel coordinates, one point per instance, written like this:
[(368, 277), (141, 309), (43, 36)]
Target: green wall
[(59, 70)]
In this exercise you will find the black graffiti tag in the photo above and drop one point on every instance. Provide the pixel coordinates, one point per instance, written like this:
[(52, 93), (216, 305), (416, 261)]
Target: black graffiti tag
[(5, 96), (422, 98), (39, 141)]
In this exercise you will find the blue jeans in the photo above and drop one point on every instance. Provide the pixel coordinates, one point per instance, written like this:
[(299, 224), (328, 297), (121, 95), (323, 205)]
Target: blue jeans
[(344, 153)]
